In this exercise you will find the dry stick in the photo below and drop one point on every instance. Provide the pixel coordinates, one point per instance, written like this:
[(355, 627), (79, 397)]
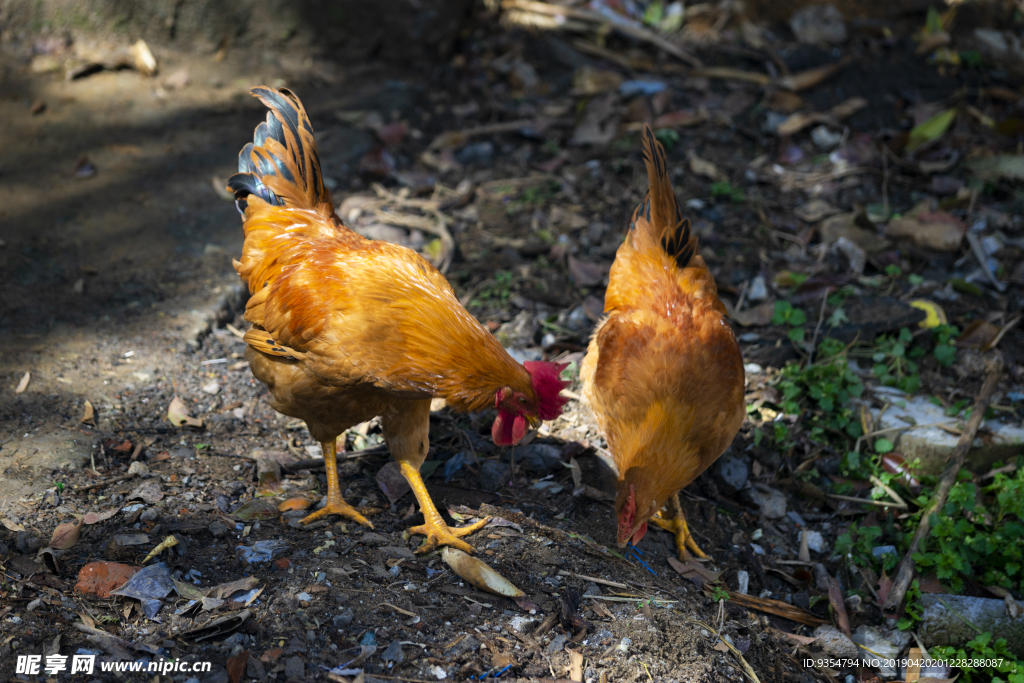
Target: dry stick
[(905, 573)]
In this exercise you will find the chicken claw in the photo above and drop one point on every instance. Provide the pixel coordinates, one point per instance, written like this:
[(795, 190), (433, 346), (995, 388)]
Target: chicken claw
[(438, 533), (677, 525), (337, 506)]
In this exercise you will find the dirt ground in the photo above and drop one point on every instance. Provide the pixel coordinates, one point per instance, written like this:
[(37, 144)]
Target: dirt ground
[(116, 240)]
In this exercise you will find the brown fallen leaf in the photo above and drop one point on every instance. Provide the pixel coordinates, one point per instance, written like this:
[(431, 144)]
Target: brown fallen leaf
[(88, 414), (236, 666), (758, 316), (800, 120), (23, 384), (66, 535), (811, 77), (978, 335), (11, 525), (168, 542), (99, 578), (704, 168), (177, 413), (935, 230), (835, 599), (94, 517)]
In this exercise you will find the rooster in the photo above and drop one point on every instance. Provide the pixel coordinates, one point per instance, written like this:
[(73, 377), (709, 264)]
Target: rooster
[(663, 372), (346, 328)]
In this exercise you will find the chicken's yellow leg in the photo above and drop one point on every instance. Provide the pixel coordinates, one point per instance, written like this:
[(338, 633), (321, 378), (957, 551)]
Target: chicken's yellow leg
[(677, 525), (434, 527), (336, 505)]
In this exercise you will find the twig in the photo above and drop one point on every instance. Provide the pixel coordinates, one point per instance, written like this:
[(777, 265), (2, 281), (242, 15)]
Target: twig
[(732, 648), (603, 582), (892, 494), (887, 430), (905, 573), (817, 329), (1006, 328), (979, 254), (867, 501), (107, 482)]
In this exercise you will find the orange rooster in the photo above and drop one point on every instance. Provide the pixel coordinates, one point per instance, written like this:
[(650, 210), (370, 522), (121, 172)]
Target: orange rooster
[(663, 372), (345, 328)]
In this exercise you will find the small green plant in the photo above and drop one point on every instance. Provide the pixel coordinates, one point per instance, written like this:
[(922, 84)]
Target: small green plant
[(667, 137), (892, 363), (59, 485), (718, 593), (793, 318), (984, 650), (723, 189), (944, 351), (498, 292)]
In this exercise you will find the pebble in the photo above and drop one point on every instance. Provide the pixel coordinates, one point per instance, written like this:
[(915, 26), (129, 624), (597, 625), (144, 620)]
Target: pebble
[(254, 668), (879, 551), (212, 387), (556, 644), (743, 581), (294, 667), (344, 619), (138, 469), (577, 319), (150, 515), (758, 290), (797, 519), (494, 474), (815, 541), (771, 501), (372, 538), (824, 139), (731, 474), (477, 153), (750, 338), (218, 529), (303, 597), (817, 24), (28, 543)]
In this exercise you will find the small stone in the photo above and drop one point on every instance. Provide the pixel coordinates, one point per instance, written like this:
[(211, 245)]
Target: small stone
[(150, 515), (254, 668), (394, 653), (577, 319), (304, 597), (212, 387), (742, 581), (835, 643), (758, 290), (493, 475), (855, 257), (218, 529), (344, 619), (557, 643), (815, 541), (476, 154), (294, 667), (592, 589), (824, 139), (879, 551), (28, 543), (372, 538), (399, 552), (138, 469), (731, 474), (771, 501)]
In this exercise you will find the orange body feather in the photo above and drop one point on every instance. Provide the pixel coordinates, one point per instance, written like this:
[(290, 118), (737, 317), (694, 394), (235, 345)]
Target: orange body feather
[(663, 372)]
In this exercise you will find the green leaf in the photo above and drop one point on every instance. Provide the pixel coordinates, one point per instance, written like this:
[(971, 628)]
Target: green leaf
[(883, 446), (932, 129), (796, 334), (782, 311), (797, 318)]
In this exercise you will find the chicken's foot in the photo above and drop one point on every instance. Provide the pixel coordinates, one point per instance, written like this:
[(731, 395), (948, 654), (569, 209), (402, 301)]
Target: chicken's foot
[(434, 528), (336, 505), (677, 525)]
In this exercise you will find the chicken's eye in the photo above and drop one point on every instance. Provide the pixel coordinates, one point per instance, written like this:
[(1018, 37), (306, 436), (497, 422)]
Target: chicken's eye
[(522, 400)]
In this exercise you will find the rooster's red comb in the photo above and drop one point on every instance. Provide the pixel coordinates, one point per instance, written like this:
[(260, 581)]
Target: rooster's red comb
[(547, 386)]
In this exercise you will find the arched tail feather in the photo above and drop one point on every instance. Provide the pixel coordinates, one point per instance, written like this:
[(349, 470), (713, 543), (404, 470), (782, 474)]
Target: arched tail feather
[(662, 217), (281, 165)]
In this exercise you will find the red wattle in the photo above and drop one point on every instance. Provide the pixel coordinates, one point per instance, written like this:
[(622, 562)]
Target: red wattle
[(640, 533)]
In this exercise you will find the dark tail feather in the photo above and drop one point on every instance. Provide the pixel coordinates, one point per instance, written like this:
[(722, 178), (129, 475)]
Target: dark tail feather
[(281, 165), (660, 207)]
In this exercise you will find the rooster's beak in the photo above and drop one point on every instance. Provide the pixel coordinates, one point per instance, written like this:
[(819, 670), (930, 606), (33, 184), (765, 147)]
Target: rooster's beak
[(534, 421)]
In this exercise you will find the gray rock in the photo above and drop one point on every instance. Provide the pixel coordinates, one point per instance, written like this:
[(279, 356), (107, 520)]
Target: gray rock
[(953, 623), (538, 459), (398, 551), (771, 501), (818, 24), (28, 543), (815, 541), (149, 515), (394, 653), (494, 474), (731, 474), (294, 667), (4, 549), (254, 668), (218, 529), (476, 154), (557, 643), (592, 589), (344, 619), (835, 643), (758, 290), (466, 645), (371, 538)]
